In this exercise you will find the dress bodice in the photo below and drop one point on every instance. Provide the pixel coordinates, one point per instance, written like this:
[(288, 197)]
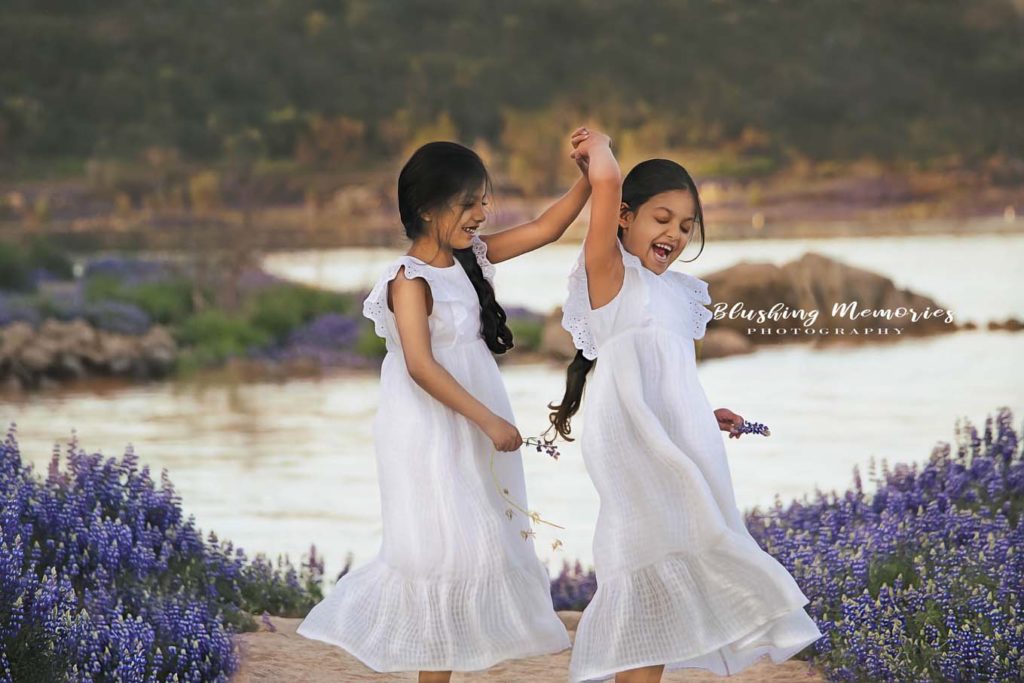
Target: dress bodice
[(673, 301), (455, 316)]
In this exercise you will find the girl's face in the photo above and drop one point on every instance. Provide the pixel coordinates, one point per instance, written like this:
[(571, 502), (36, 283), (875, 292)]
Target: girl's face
[(660, 229), (455, 224)]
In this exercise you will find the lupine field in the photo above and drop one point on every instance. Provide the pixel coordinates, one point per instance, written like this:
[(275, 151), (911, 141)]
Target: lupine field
[(102, 578), (921, 579)]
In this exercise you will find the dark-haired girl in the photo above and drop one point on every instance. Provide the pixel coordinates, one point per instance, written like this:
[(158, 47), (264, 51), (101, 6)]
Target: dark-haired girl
[(680, 580), (457, 585)]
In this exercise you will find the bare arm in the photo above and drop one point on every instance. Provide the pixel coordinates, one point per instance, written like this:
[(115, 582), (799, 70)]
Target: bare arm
[(409, 298), (605, 271), (544, 229)]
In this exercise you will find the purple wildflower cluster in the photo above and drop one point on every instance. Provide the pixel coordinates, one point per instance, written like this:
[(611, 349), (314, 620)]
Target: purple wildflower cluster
[(542, 446), (107, 314), (753, 428), (102, 578), (115, 316), (328, 339), (921, 580), (924, 579), (18, 308), (130, 271), (573, 588)]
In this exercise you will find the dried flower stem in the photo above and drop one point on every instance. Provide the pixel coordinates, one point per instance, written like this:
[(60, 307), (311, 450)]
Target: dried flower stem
[(534, 516)]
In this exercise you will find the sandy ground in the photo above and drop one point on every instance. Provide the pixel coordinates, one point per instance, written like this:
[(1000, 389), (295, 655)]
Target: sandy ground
[(285, 657)]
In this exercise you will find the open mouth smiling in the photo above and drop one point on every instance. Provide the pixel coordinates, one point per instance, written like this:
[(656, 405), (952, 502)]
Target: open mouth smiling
[(662, 250)]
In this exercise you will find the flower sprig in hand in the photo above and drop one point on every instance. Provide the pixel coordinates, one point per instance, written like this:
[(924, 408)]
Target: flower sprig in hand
[(534, 516), (729, 421)]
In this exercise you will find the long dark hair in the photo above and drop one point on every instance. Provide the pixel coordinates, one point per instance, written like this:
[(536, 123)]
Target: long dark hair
[(434, 175), (645, 180)]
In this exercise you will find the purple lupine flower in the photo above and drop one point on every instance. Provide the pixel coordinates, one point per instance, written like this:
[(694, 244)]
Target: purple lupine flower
[(130, 271), (117, 316), (542, 446), (752, 428), (918, 580), (100, 566)]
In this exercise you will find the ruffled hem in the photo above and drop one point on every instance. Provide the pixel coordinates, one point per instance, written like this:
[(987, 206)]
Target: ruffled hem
[(393, 623), (721, 609)]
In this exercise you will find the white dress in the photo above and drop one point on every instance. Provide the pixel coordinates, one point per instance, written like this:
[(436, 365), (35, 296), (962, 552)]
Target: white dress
[(455, 585), (680, 580)]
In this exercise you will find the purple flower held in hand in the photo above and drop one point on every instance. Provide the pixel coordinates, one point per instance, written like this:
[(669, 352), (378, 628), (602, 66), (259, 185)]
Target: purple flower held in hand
[(752, 428), (542, 446)]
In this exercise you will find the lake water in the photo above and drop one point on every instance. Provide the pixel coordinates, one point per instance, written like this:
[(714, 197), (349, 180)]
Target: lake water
[(979, 277), (278, 466)]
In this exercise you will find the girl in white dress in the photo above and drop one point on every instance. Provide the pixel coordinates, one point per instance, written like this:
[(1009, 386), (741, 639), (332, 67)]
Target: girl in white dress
[(680, 580), (456, 585)]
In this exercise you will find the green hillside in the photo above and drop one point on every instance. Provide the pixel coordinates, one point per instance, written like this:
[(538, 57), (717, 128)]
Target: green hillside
[(341, 83)]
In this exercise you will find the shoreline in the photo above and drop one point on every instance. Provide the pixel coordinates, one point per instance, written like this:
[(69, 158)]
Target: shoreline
[(864, 201), (239, 371)]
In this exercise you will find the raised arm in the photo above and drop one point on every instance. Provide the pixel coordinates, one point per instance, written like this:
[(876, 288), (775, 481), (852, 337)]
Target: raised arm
[(545, 229), (410, 299), (603, 260)]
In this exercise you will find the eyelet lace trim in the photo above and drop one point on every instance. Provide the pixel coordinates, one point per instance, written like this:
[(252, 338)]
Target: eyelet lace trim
[(576, 311), (696, 294), (375, 306)]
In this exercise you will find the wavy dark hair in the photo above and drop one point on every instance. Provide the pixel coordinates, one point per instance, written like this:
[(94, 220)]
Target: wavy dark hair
[(645, 180), (435, 175)]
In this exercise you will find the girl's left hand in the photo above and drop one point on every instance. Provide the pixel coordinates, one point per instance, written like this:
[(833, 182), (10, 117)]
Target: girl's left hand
[(728, 421), (581, 159)]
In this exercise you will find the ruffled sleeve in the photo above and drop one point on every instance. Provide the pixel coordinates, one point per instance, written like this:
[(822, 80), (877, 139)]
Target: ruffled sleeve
[(695, 293), (375, 306), (576, 311), (480, 251)]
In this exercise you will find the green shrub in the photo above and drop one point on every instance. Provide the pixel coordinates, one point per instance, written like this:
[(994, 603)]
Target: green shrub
[(103, 287), (14, 269), (526, 333), (42, 254), (279, 310), (369, 344), (168, 302), (215, 336)]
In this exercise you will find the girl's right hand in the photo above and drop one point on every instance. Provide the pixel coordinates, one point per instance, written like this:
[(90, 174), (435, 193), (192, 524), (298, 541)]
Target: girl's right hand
[(502, 433), (583, 142)]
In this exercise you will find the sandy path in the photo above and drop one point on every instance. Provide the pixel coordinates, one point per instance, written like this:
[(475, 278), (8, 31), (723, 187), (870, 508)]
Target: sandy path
[(285, 657)]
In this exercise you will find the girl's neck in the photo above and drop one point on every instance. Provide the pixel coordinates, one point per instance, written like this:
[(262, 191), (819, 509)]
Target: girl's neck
[(432, 253)]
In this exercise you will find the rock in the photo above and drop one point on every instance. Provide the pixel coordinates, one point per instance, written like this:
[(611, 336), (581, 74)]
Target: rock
[(14, 337), (39, 355), (68, 365), (60, 349), (120, 353), (159, 350), (816, 282), (75, 337), (1011, 325), (554, 340), (722, 342)]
